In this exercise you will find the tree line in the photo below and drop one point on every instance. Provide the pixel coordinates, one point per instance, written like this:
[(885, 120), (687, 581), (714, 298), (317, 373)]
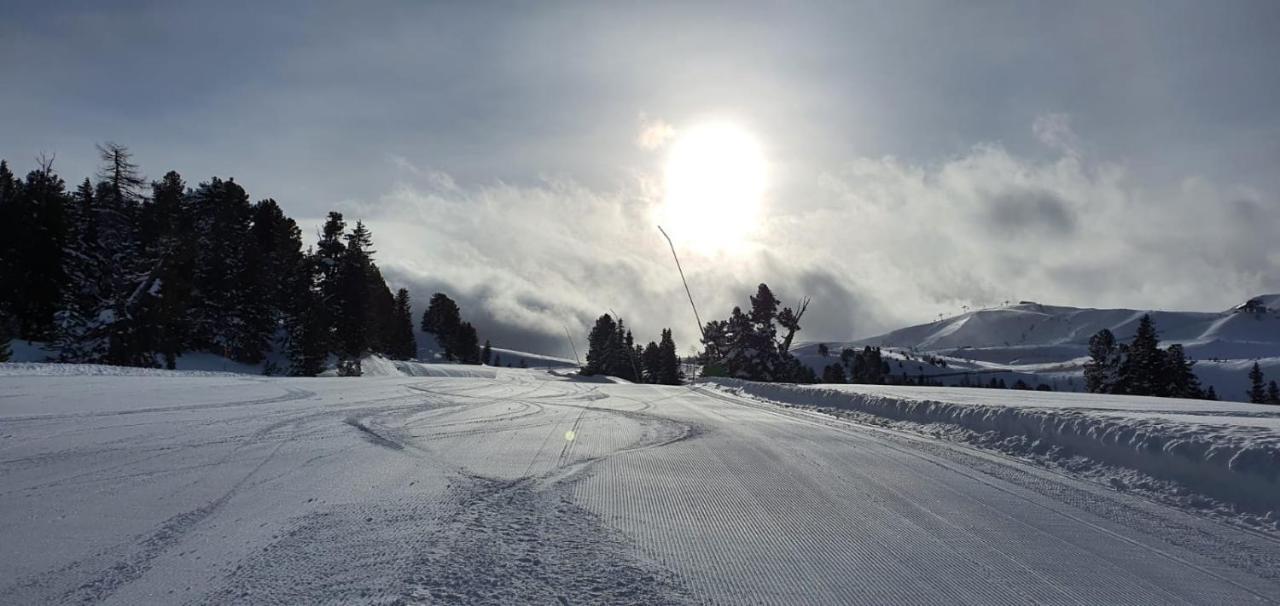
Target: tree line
[(612, 350), (1141, 367), (125, 272), (756, 345), (1260, 390)]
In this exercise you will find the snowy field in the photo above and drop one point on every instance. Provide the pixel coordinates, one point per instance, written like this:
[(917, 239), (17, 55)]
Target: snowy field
[(523, 486)]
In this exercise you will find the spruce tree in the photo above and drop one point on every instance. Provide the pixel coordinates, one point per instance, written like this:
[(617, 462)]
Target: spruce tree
[(171, 240), (442, 320), (352, 288), (651, 361), (42, 278), (1257, 391), (1273, 393), (833, 373), (668, 360), (11, 216), (1102, 371), (600, 346), (1180, 379), (466, 344), (486, 354), (307, 321), (223, 277), (404, 346), (1143, 368)]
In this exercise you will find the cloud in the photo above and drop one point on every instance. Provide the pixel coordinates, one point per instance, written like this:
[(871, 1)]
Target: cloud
[(877, 243), (654, 134), (1055, 131), (1029, 212)]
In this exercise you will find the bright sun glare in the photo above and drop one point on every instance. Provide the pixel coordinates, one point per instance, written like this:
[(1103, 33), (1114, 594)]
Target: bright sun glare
[(715, 181)]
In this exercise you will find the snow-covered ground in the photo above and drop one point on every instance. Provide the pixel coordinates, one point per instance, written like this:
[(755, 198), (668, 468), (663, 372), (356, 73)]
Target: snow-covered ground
[(1049, 344), (526, 486), (1225, 450)]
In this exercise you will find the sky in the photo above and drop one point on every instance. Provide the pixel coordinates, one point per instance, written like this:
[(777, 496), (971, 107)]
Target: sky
[(919, 157)]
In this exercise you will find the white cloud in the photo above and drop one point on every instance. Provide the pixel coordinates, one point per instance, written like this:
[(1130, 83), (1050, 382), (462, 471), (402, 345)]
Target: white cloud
[(1055, 131), (881, 242), (654, 134)]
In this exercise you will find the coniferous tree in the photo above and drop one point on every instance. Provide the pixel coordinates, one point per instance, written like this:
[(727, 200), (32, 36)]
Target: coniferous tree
[(1143, 367), (486, 354), (466, 344), (221, 278), (833, 373), (441, 319), (628, 362), (601, 346), (668, 360), (1211, 394), (38, 231), (1273, 393), (404, 346), (1102, 371), (651, 360), (1180, 379), (352, 290), (307, 320), (12, 216), (170, 238), (1257, 390)]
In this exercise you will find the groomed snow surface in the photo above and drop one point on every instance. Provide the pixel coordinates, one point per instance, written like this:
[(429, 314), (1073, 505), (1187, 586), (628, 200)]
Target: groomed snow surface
[(508, 486)]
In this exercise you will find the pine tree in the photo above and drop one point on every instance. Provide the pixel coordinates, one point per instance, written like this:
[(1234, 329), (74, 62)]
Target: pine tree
[(404, 346), (833, 373), (1143, 367), (36, 216), (11, 253), (628, 364), (350, 322), (1257, 391), (668, 360), (467, 344), (1211, 394), (307, 321), (1273, 393), (1180, 379), (1102, 371), (486, 354), (651, 361), (441, 319), (81, 335), (171, 239), (601, 347)]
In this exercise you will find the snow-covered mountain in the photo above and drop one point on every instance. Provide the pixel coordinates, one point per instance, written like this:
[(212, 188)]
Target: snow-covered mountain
[(1049, 343)]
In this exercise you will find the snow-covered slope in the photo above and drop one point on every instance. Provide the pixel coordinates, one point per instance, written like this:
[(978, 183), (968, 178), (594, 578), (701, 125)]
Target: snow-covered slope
[(530, 488), (1227, 450), (1046, 343), (429, 363)]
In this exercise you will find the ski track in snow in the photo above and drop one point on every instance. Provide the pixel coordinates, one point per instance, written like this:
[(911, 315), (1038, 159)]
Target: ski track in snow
[(528, 488)]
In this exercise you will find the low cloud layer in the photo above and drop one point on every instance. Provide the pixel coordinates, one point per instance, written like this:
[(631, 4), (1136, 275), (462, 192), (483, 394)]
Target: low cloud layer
[(877, 243)]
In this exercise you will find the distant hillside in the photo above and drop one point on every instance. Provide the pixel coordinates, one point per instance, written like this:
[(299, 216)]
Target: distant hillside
[(1048, 343)]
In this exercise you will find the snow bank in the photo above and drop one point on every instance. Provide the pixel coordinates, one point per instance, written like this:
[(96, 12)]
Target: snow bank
[(1229, 451), (53, 369)]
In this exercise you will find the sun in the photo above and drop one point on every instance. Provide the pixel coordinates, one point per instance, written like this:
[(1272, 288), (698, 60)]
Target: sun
[(715, 183)]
